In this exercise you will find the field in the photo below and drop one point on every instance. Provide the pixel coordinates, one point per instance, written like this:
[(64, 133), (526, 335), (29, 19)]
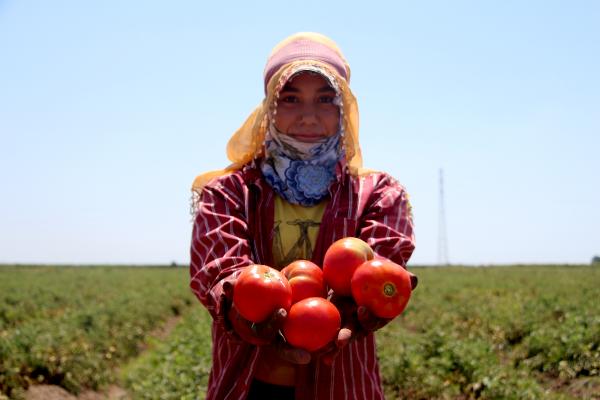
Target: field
[(520, 332)]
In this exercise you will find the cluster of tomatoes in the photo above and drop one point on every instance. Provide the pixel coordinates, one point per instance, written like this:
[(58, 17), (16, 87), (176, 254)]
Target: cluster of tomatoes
[(349, 269)]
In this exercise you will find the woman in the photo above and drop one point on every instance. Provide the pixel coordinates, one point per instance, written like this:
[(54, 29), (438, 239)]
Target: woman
[(295, 185)]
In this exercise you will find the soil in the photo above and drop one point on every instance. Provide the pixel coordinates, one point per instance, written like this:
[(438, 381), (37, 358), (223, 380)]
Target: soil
[(53, 392), (587, 388)]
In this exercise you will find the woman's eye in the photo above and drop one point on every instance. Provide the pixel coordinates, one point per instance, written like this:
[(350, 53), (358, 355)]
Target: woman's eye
[(326, 99), (290, 99)]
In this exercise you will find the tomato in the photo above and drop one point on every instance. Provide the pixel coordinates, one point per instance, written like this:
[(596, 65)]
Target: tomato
[(341, 260), (306, 280), (259, 291), (382, 286), (312, 323)]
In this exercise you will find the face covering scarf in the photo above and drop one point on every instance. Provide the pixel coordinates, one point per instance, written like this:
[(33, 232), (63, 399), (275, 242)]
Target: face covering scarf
[(300, 172)]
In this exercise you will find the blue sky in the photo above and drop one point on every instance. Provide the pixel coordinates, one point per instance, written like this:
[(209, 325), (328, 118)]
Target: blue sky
[(109, 109)]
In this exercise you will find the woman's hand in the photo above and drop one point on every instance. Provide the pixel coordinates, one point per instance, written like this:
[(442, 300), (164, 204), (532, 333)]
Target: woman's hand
[(261, 333), (357, 322)]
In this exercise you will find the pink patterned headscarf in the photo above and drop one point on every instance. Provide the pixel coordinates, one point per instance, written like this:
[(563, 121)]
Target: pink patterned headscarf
[(302, 47)]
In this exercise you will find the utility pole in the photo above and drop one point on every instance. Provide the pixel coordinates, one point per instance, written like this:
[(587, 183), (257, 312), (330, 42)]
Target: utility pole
[(442, 237)]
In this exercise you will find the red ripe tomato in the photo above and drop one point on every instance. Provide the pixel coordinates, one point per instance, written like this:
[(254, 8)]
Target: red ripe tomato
[(259, 291), (312, 323), (306, 280), (341, 260), (382, 286)]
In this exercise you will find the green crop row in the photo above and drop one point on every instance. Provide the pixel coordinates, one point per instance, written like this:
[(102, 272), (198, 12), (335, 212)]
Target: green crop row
[(176, 368), (80, 323), (495, 333)]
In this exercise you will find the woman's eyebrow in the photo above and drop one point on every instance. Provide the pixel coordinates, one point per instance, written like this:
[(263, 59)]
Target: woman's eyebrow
[(326, 89), (289, 88)]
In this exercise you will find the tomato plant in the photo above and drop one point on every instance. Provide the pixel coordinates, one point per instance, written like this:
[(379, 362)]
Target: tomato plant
[(312, 323), (306, 280), (382, 286), (259, 291), (341, 260)]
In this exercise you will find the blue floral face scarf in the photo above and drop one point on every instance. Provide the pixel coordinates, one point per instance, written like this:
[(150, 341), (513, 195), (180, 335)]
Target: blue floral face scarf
[(300, 172)]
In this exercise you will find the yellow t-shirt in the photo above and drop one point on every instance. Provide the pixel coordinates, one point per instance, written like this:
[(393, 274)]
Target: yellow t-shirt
[(295, 231)]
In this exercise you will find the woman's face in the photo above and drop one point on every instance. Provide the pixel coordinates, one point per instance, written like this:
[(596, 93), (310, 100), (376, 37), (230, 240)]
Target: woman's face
[(305, 108)]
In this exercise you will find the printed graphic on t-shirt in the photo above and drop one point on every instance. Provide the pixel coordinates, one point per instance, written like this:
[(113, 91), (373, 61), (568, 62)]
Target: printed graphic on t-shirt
[(302, 248)]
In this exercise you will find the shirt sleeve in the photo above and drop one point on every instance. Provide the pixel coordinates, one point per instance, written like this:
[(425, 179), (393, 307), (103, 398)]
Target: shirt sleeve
[(387, 224), (220, 246)]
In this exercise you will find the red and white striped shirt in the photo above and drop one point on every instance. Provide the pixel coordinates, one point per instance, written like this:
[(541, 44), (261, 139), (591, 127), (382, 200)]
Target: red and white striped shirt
[(233, 228)]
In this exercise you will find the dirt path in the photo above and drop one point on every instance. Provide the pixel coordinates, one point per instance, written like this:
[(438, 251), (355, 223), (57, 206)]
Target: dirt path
[(579, 388), (52, 392), (112, 392)]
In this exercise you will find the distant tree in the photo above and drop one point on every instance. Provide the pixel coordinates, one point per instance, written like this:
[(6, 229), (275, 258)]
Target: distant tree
[(596, 260), (173, 264)]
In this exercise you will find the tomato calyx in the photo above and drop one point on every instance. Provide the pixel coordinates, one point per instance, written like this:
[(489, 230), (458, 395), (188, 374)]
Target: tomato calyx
[(389, 289), (269, 276)]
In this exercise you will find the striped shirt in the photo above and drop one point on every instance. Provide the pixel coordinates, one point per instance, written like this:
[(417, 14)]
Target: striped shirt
[(233, 228)]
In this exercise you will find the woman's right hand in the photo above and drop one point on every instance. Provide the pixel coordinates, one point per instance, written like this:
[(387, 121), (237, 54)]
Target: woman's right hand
[(255, 333), (262, 333)]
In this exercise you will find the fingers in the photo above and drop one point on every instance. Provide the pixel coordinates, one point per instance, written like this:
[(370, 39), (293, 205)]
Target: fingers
[(369, 321), (274, 323), (414, 280), (228, 290), (270, 327), (244, 328), (365, 318), (267, 331), (343, 337), (346, 306), (225, 308), (278, 318), (328, 354), (226, 305), (226, 297)]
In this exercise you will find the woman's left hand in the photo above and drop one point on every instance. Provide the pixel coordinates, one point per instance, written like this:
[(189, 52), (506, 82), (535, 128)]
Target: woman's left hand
[(357, 322)]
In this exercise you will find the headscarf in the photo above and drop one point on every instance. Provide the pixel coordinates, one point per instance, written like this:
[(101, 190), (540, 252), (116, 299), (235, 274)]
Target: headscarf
[(305, 50)]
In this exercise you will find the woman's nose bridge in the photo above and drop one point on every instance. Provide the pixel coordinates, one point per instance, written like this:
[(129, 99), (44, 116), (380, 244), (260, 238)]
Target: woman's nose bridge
[(308, 112)]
